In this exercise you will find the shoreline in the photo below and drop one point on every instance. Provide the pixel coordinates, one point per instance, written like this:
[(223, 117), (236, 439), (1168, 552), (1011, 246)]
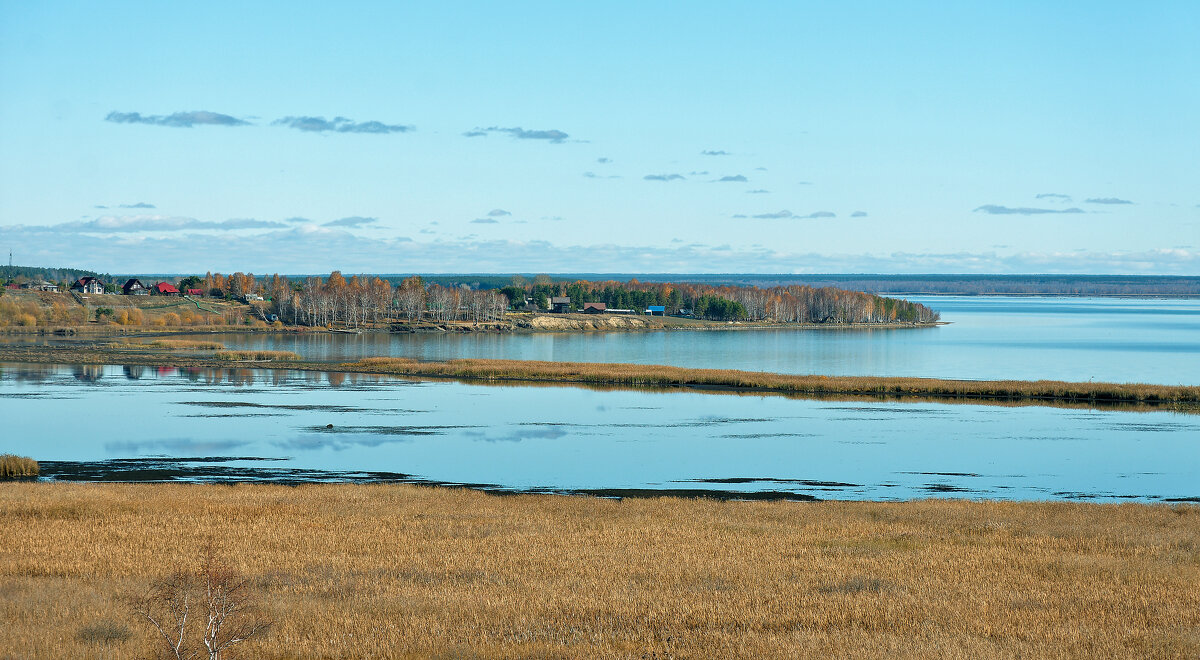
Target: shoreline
[(540, 324), (656, 377)]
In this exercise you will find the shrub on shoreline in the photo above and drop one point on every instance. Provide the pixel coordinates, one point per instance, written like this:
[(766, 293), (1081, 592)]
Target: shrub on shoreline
[(188, 344), (13, 466), (256, 356)]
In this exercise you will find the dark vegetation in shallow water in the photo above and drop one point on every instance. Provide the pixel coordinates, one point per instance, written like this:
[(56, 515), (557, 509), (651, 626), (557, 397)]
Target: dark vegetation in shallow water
[(277, 406), (212, 469), (772, 480), (215, 470)]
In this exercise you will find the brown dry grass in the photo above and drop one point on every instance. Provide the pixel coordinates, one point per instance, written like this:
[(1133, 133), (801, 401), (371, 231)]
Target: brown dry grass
[(389, 570), (25, 311), (188, 344), (13, 466), (255, 356), (660, 375)]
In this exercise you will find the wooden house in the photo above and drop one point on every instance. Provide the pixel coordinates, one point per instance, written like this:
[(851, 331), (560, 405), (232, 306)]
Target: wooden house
[(40, 286), (164, 289), (88, 285), (594, 308), (134, 287), (560, 304)]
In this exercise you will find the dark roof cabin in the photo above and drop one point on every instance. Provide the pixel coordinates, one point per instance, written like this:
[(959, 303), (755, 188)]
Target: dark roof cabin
[(134, 287), (560, 304), (594, 308)]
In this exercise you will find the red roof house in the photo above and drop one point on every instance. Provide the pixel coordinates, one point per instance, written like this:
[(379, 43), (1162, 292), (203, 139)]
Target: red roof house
[(164, 289), (195, 292)]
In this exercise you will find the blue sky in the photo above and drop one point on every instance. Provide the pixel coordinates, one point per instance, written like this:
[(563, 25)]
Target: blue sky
[(619, 137)]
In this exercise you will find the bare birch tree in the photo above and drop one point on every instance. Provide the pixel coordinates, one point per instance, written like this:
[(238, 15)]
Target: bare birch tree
[(214, 603)]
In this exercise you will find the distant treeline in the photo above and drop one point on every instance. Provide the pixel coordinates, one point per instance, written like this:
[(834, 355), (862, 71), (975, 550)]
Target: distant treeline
[(784, 304), (336, 299), (360, 299), (21, 274), (945, 284), (1060, 285)]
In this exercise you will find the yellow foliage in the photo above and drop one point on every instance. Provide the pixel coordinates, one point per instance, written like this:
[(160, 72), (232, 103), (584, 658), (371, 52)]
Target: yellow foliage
[(22, 313)]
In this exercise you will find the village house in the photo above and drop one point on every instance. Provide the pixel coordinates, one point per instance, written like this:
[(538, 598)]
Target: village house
[(134, 287), (88, 285), (656, 310), (594, 307), (194, 292), (40, 286), (164, 289), (560, 304)]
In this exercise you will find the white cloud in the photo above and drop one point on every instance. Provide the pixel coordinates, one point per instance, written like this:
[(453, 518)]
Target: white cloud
[(312, 248)]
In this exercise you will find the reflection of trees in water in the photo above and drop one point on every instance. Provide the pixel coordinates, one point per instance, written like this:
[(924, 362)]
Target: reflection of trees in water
[(89, 372), (32, 373)]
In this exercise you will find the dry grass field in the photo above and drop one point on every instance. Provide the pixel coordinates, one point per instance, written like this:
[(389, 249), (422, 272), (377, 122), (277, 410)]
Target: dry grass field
[(30, 311), (403, 571)]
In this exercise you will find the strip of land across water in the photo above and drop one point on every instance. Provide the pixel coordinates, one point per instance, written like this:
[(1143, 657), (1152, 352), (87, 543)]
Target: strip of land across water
[(405, 571), (165, 354)]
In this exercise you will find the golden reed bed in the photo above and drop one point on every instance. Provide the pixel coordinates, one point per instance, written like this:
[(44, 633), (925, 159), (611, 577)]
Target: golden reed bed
[(396, 571), (661, 375), (1043, 392), (15, 467)]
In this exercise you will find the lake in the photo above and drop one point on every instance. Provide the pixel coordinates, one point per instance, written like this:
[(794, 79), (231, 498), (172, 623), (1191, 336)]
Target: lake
[(275, 425), (239, 424), (1054, 338)]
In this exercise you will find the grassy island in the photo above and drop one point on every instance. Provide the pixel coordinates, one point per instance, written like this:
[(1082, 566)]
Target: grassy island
[(1044, 392), (638, 375)]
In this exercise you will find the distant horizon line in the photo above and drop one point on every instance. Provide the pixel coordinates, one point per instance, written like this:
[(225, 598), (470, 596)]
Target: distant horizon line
[(617, 275)]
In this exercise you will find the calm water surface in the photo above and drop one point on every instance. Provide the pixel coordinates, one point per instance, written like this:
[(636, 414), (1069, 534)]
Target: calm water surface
[(565, 439), (1078, 339)]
